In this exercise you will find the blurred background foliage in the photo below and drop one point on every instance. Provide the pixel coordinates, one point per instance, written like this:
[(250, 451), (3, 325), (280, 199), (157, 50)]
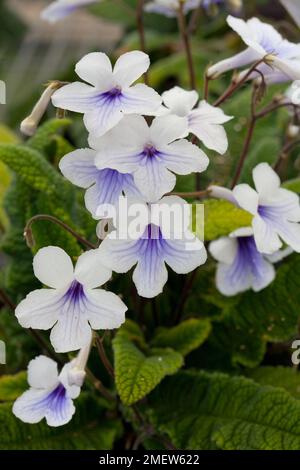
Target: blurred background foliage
[(245, 335)]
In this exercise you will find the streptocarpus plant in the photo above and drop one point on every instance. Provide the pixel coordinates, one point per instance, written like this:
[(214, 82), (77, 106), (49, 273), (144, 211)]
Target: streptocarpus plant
[(140, 144)]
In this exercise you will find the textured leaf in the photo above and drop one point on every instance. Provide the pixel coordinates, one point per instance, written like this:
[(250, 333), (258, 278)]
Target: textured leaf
[(284, 377), (138, 372), (199, 410), (46, 133), (185, 337), (12, 386), (88, 430)]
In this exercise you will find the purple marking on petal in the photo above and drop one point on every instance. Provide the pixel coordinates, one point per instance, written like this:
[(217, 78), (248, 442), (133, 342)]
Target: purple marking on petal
[(110, 184), (248, 260), (74, 299), (54, 401), (112, 96)]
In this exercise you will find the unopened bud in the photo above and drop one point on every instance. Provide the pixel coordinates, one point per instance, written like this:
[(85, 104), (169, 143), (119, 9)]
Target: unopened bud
[(293, 131)]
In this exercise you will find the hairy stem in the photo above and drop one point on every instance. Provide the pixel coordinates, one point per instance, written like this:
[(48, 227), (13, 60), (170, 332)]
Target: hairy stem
[(30, 239), (141, 31)]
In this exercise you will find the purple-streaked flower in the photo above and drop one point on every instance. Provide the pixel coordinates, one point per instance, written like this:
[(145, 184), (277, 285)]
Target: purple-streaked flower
[(276, 211), (103, 186), (159, 244), (170, 7), (72, 306), (110, 95), (240, 265), (61, 8), (151, 154), (263, 41), (293, 7), (204, 121), (50, 395)]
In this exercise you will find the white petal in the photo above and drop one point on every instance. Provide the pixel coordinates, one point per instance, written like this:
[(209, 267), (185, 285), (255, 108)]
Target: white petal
[(183, 259), (72, 331), (279, 255), (42, 373), (242, 232), (212, 114), (106, 310), (290, 234), (267, 275), (140, 99), (289, 67), (150, 275), (266, 238), (166, 129), (224, 282), (59, 9), (266, 181), (73, 391), (95, 68), (118, 255), (90, 271), (53, 267), (247, 57), (293, 7), (289, 202), (183, 158), (103, 117), (77, 97), (130, 66), (79, 167), (246, 197), (247, 31), (180, 101), (154, 180), (40, 309), (224, 249), (27, 407)]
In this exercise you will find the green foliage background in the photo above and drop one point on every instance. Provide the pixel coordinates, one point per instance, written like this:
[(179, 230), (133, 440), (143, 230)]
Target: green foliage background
[(214, 375)]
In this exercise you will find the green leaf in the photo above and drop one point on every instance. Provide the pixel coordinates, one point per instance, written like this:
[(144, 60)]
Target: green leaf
[(32, 168), (12, 386), (47, 133), (88, 430), (280, 376), (138, 372), (199, 410), (185, 337), (220, 219)]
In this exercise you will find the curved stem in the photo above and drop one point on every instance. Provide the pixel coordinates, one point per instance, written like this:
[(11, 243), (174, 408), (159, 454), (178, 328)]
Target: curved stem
[(196, 194), (29, 236), (141, 31), (186, 42), (103, 356)]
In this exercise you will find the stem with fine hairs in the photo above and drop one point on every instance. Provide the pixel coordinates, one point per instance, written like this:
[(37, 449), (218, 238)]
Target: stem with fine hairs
[(187, 46)]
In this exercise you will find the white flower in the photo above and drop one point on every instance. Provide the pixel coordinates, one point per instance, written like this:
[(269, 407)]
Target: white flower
[(204, 121), (50, 395), (293, 7), (152, 154), (62, 8), (241, 266), (276, 210), (110, 95), (159, 244), (73, 305), (170, 7), (103, 186), (262, 40)]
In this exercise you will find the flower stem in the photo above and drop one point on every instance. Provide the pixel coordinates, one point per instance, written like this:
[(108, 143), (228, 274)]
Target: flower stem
[(30, 239), (103, 356), (141, 31), (192, 194), (284, 154), (186, 42)]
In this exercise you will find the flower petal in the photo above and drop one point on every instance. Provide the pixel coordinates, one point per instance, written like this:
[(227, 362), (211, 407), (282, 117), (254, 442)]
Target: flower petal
[(266, 238), (183, 158), (266, 181), (31, 406), (119, 255), (60, 412), (72, 390), (246, 197), (180, 101), (95, 68), (40, 309), (106, 310), (246, 57), (130, 66), (151, 273), (89, 270), (293, 8), (42, 373), (104, 116), (166, 129), (53, 267), (224, 249), (249, 31), (154, 180), (77, 97), (79, 167), (140, 99), (181, 258), (72, 331)]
